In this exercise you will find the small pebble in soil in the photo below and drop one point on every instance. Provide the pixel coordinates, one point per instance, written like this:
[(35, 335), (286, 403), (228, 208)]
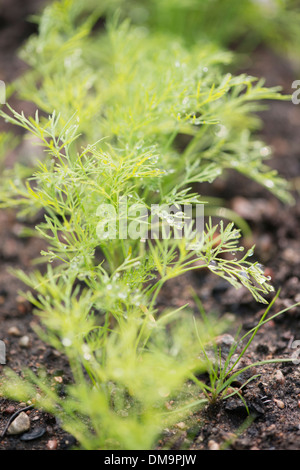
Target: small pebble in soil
[(279, 377), (181, 425), (225, 340), (52, 444), (58, 379), (224, 343), (279, 403), (10, 409), (234, 405), (14, 331), (24, 342), (20, 424), (35, 418), (213, 445)]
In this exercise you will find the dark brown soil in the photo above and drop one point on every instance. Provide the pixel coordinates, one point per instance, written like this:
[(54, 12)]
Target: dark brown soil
[(273, 398)]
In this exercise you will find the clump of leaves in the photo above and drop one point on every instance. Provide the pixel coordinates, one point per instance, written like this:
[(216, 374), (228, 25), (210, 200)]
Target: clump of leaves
[(246, 25), (119, 388), (139, 115)]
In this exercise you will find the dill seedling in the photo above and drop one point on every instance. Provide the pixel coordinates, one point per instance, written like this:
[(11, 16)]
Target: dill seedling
[(222, 374)]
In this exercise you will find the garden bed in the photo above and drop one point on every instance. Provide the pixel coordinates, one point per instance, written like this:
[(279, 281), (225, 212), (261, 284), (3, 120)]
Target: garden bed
[(273, 398)]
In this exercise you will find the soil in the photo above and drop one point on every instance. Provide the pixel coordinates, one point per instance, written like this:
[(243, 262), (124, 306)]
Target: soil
[(273, 398)]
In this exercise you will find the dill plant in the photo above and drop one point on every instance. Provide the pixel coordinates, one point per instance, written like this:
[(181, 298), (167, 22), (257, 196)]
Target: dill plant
[(125, 111)]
